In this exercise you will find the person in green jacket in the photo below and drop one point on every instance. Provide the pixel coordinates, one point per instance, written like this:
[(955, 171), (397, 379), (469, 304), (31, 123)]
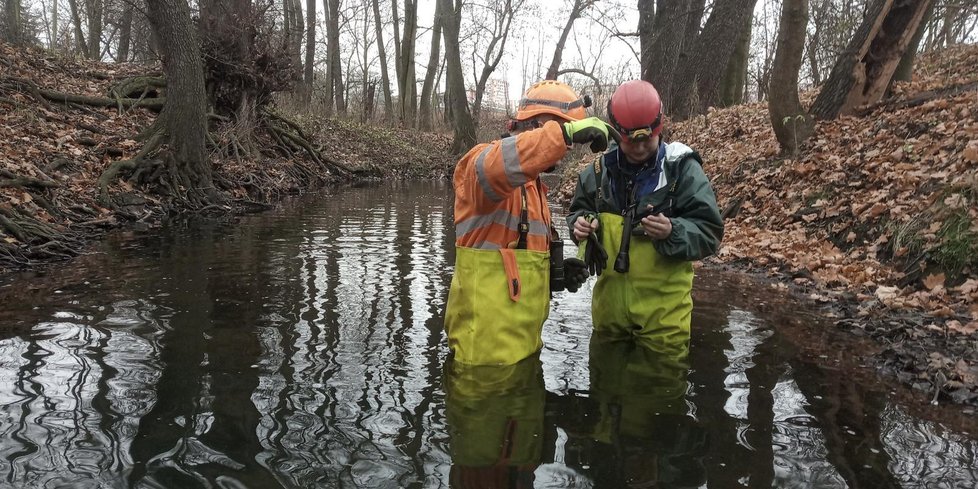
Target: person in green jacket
[(659, 195)]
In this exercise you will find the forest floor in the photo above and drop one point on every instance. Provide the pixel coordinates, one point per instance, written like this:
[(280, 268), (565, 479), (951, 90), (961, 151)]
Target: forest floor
[(875, 219)]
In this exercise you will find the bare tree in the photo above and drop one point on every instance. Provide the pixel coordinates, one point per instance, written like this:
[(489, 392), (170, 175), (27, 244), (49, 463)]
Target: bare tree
[(94, 12), (735, 76), (501, 14), (334, 70), (125, 33), (404, 60), (791, 124), (424, 112), (12, 24), (904, 70), (309, 74), (384, 78), (577, 9), (863, 72), (184, 116), (698, 76), (662, 42), (455, 83)]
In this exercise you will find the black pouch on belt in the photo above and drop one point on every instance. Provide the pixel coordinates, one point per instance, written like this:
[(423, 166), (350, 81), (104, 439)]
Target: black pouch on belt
[(556, 265)]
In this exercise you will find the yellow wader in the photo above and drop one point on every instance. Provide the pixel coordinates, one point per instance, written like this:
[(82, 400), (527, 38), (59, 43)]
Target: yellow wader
[(497, 304), (651, 302), (495, 416)]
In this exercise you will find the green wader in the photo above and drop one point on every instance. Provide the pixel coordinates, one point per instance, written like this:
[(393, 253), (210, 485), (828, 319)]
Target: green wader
[(497, 304), (651, 302)]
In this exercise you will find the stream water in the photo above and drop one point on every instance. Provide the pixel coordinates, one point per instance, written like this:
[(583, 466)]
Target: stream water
[(303, 347)]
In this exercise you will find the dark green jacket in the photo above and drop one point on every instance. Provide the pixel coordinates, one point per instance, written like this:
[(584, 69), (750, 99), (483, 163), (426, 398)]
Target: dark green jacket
[(696, 224)]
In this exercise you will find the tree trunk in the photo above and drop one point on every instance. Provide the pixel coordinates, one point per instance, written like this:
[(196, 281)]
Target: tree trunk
[(95, 12), (815, 41), (125, 34), (732, 85), (666, 43), (455, 84), (406, 82), (646, 36), (185, 114), (863, 71), (11, 22), (494, 53), (698, 79), (299, 28), (82, 46), (339, 92), (288, 29), (334, 68), (385, 83), (791, 124), (579, 7), (309, 76), (424, 109), (693, 21), (904, 70), (53, 40)]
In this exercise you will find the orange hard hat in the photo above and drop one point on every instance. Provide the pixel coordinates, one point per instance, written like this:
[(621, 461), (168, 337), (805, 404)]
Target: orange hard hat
[(552, 97)]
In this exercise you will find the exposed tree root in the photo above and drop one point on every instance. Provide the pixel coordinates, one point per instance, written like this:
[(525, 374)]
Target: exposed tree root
[(25, 239), (45, 96)]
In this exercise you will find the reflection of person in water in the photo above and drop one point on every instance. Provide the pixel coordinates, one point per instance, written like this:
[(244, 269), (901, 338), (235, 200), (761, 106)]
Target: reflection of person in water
[(495, 420), (636, 419)]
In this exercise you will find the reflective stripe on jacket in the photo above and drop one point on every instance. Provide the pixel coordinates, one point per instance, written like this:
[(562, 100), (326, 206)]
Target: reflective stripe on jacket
[(488, 198), (500, 296)]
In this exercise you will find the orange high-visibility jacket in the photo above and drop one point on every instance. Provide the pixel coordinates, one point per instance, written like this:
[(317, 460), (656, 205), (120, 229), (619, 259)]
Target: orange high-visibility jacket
[(488, 199)]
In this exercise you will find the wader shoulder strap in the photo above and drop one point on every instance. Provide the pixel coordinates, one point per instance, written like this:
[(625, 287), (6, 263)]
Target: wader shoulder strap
[(524, 228)]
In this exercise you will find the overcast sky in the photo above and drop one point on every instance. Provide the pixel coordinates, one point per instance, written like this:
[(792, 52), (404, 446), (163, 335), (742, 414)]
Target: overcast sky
[(535, 37)]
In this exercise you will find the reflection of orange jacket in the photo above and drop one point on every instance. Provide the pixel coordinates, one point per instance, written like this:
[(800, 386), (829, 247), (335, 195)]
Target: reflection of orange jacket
[(488, 198)]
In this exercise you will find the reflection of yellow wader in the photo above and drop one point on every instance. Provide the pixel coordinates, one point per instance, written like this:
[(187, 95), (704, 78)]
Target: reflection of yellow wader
[(639, 384), (651, 302), (490, 319), (495, 417)]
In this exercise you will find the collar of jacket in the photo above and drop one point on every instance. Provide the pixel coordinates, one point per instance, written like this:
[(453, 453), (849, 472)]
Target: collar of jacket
[(644, 181)]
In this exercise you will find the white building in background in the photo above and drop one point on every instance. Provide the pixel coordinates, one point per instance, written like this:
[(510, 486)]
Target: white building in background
[(495, 98)]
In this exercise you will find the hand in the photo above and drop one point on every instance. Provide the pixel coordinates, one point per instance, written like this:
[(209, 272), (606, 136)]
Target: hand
[(589, 130), (656, 226), (583, 227)]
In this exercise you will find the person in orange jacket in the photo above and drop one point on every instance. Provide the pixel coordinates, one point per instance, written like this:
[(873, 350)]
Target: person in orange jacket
[(500, 292)]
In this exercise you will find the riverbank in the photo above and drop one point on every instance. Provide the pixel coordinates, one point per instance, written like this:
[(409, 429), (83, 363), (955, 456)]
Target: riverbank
[(55, 193), (875, 219)]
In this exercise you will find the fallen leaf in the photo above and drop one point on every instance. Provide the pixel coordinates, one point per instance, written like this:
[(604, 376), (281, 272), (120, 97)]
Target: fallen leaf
[(934, 281), (957, 327)]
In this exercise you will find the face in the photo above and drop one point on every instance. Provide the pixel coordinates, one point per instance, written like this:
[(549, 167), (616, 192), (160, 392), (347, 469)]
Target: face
[(639, 151)]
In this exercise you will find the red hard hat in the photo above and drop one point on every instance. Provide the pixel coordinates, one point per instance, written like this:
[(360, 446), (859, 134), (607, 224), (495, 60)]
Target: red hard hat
[(635, 105)]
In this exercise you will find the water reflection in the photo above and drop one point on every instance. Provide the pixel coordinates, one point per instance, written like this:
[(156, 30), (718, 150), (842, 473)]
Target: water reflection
[(634, 427), (495, 421), (303, 348)]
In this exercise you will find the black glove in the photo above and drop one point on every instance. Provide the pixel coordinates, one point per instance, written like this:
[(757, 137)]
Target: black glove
[(575, 274), (595, 258), (589, 130)]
